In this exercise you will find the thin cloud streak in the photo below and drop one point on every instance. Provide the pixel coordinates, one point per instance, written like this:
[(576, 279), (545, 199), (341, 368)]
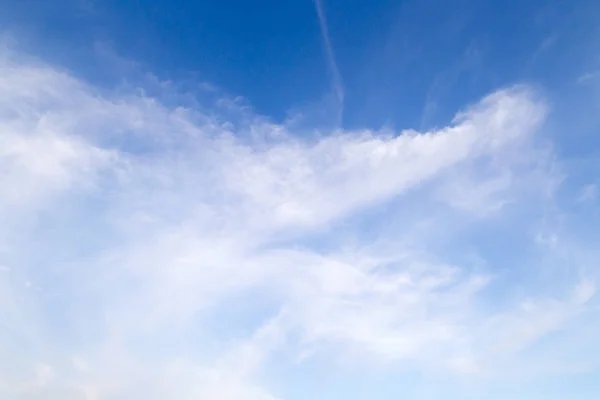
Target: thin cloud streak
[(336, 77)]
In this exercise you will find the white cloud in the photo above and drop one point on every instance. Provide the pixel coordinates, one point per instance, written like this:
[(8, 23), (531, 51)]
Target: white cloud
[(588, 77), (588, 193), (336, 77), (143, 221)]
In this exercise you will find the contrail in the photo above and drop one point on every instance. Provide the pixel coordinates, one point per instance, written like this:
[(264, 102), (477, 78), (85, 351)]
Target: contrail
[(338, 87)]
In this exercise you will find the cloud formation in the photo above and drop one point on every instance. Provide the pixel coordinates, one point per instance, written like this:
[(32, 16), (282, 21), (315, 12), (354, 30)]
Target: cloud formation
[(336, 77), (150, 251)]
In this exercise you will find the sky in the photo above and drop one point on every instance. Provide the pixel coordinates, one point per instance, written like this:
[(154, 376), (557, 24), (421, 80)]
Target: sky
[(301, 199)]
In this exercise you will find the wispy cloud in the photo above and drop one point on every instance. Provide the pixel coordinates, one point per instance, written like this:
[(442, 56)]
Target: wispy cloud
[(589, 193), (588, 77), (133, 234), (338, 86)]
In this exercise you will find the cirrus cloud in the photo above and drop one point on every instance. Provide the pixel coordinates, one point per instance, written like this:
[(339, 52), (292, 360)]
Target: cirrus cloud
[(154, 251)]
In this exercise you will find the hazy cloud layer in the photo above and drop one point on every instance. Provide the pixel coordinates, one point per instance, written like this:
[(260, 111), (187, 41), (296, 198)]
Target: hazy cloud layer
[(157, 252)]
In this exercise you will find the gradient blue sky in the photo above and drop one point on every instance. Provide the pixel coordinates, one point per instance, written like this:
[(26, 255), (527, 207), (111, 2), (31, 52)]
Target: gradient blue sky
[(285, 200)]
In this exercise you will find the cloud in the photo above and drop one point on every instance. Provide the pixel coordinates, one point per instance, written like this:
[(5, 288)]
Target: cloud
[(336, 77), (588, 77), (190, 255), (588, 193)]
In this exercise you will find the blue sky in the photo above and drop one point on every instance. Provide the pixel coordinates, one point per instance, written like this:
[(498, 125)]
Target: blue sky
[(306, 199)]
